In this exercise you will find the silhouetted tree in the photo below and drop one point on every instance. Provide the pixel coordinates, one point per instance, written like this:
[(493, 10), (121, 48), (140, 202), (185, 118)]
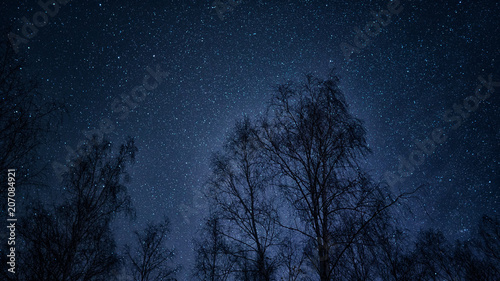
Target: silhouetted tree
[(292, 261), (470, 264), (392, 252), (489, 238), (26, 117), (213, 261), (240, 189), (339, 221), (433, 257), (315, 145), (73, 241), (479, 259), (430, 257), (150, 259)]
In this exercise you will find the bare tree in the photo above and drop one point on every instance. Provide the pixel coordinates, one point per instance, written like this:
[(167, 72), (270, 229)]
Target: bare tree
[(26, 117), (213, 259), (479, 258), (471, 264), (315, 145), (433, 257), (150, 260), (240, 189), (489, 238), (293, 260), (394, 262), (73, 241)]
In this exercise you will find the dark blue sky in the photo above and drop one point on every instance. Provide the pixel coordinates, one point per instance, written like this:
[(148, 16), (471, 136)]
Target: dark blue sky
[(425, 60)]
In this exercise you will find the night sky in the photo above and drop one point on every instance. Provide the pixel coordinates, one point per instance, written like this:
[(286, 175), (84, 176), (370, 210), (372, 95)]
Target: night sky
[(218, 66)]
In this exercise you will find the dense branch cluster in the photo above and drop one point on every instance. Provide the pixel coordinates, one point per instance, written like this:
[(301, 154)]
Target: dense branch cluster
[(290, 200), (288, 196)]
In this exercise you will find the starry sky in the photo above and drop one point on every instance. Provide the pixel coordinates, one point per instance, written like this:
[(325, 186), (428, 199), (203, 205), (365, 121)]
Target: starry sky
[(218, 65)]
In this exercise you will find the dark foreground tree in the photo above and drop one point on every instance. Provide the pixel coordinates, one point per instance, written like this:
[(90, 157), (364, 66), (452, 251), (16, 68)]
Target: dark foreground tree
[(392, 253), (316, 146), (433, 257), (479, 259), (309, 148), (26, 117), (292, 267), (73, 241), (489, 238), (150, 259), (241, 191), (213, 259)]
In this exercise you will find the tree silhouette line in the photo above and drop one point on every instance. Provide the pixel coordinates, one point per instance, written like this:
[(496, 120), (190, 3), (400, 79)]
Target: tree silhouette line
[(288, 198)]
